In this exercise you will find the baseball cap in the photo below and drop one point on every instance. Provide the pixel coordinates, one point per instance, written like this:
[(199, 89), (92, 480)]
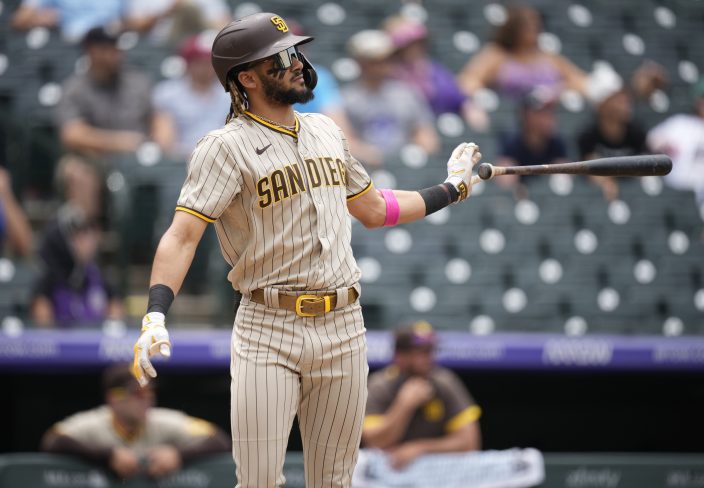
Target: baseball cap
[(100, 35), (370, 45), (197, 46), (603, 82), (419, 335), (404, 32), (119, 376), (539, 98)]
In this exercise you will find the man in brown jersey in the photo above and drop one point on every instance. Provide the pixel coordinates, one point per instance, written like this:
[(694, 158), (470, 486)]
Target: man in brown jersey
[(280, 187), (416, 407), (129, 435)]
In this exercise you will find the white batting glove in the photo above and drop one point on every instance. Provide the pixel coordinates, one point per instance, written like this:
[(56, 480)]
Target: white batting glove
[(153, 340), (459, 168)]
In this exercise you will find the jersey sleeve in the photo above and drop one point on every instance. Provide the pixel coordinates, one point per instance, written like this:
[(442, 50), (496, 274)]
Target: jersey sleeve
[(180, 429), (82, 426), (213, 179), (70, 107), (378, 400), (358, 181), (460, 407)]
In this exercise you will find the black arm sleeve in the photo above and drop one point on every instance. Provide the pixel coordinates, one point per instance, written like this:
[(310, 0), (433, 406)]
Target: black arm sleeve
[(160, 299), (438, 197)]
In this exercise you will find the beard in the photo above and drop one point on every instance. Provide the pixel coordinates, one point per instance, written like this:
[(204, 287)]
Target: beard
[(275, 92)]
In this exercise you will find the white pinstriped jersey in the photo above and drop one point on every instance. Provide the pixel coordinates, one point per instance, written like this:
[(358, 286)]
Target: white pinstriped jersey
[(278, 199)]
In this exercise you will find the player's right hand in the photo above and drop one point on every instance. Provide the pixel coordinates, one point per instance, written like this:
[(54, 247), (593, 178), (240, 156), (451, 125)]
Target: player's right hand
[(415, 392), (460, 165), (153, 340)]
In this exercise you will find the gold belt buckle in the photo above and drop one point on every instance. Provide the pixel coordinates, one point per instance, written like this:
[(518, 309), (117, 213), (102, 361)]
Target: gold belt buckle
[(311, 299)]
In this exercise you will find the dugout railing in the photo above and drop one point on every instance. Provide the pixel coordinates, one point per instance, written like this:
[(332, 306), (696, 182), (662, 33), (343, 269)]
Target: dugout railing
[(621, 470)]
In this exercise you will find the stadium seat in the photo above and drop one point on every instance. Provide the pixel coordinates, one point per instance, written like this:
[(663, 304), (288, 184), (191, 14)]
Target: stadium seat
[(17, 280)]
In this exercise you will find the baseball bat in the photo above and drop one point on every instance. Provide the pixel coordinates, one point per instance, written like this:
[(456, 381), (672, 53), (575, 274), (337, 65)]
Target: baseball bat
[(649, 165)]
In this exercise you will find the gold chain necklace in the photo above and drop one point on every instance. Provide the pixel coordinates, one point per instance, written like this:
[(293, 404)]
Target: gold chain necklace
[(291, 128)]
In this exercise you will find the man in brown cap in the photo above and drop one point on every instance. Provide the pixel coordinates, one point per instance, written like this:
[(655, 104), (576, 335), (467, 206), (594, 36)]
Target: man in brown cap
[(416, 407), (130, 436)]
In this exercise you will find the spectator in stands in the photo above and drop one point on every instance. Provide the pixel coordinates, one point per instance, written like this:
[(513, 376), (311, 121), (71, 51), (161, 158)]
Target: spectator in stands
[(681, 137), (80, 183), (613, 132), (537, 140), (71, 290), (416, 407), (108, 109), (384, 112), (172, 21), (415, 67), (513, 63), (130, 436), (74, 17), (14, 226), (194, 105), (328, 101)]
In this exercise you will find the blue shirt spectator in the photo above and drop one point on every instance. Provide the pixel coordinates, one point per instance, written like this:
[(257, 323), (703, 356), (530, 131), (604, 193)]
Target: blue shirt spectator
[(327, 94), (536, 142), (73, 17), (194, 105), (516, 148), (171, 21)]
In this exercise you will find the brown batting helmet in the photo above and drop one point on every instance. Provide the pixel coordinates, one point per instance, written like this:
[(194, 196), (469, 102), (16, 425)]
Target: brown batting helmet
[(252, 38)]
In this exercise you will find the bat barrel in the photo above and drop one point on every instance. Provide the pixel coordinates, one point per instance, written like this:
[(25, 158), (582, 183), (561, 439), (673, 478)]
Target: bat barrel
[(648, 165)]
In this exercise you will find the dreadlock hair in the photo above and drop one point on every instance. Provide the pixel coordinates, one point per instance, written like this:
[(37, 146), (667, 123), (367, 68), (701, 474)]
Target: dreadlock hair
[(238, 97)]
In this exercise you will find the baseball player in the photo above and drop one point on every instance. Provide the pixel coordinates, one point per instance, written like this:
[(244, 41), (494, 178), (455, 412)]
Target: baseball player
[(280, 186)]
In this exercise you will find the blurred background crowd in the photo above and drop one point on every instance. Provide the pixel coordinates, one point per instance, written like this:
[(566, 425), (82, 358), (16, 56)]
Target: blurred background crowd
[(102, 103)]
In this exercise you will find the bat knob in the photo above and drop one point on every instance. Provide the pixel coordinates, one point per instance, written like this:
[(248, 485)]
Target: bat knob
[(485, 171)]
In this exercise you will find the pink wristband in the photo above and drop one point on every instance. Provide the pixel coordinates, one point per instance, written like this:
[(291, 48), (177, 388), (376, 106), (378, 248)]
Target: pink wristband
[(393, 211)]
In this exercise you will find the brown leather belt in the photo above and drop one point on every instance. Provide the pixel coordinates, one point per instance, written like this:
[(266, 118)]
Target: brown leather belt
[(306, 305)]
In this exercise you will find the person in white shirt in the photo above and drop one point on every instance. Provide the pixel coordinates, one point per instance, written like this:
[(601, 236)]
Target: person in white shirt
[(681, 137)]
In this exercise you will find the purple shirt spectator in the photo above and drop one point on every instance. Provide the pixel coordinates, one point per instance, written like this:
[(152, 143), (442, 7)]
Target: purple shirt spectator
[(71, 290)]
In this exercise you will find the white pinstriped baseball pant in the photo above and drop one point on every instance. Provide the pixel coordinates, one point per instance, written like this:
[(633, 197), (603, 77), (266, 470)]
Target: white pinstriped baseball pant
[(283, 365)]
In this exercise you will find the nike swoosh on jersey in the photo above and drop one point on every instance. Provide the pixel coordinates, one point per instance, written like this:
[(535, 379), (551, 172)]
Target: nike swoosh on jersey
[(261, 151)]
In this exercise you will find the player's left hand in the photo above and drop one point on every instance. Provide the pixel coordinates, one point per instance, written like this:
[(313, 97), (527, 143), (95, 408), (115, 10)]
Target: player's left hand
[(403, 455), (162, 461), (154, 340), (460, 165)]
